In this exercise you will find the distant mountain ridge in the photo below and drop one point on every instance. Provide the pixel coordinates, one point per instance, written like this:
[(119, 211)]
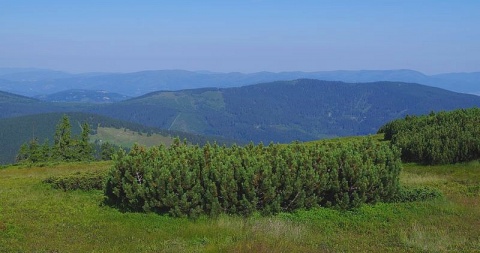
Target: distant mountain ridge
[(84, 96), (44, 82)]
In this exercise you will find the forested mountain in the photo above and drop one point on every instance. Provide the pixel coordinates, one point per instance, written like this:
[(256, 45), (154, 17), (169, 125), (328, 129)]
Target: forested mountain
[(18, 130), (12, 105), (84, 96), (43, 82), (6, 97), (280, 111), (286, 110)]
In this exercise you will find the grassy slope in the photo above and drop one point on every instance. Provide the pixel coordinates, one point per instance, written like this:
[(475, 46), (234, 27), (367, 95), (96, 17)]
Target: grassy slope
[(126, 138), (34, 217)]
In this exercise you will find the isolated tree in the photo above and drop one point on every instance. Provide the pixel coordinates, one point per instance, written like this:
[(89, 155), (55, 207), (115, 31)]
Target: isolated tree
[(107, 151), (45, 150), (85, 149), (63, 140), (23, 153), (35, 153)]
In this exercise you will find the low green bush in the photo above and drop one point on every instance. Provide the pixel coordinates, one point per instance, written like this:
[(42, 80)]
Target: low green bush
[(406, 194), (437, 138), (86, 181), (187, 180)]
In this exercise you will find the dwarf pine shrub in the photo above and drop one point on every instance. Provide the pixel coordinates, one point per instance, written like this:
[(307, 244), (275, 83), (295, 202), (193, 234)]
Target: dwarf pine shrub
[(184, 180)]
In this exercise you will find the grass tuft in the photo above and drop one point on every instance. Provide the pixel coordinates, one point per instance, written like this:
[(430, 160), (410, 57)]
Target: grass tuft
[(431, 239)]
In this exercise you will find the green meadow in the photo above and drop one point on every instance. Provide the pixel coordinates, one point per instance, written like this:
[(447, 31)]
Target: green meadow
[(34, 217)]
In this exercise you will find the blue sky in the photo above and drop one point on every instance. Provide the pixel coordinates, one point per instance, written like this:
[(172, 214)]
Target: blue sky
[(431, 36)]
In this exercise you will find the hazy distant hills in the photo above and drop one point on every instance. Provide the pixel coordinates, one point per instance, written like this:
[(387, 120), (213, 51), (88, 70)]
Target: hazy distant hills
[(84, 96), (34, 82), (461, 82), (35, 74), (20, 75)]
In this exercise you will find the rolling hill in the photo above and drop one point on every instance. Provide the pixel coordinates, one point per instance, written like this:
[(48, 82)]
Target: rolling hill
[(12, 105), (284, 111)]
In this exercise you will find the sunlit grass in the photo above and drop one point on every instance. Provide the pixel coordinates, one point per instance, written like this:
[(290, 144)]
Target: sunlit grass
[(126, 138), (36, 218)]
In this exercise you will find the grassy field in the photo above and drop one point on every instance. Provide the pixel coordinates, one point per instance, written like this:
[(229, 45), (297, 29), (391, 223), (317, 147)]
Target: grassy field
[(126, 138), (36, 218)]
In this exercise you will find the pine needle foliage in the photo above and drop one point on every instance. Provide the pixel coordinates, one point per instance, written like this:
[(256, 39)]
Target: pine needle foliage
[(184, 180), (66, 148), (437, 138)]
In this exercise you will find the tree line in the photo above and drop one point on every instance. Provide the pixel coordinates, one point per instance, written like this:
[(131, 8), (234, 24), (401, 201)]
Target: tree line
[(66, 147)]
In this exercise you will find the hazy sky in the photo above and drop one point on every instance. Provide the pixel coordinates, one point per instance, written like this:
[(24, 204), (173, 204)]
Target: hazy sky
[(432, 36)]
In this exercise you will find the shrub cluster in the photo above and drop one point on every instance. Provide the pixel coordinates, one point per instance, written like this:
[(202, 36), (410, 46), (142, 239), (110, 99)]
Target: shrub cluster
[(86, 181), (184, 180), (437, 138)]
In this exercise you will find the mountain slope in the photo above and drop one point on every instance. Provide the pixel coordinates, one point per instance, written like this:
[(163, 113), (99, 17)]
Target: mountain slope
[(284, 111), (6, 97), (12, 105)]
